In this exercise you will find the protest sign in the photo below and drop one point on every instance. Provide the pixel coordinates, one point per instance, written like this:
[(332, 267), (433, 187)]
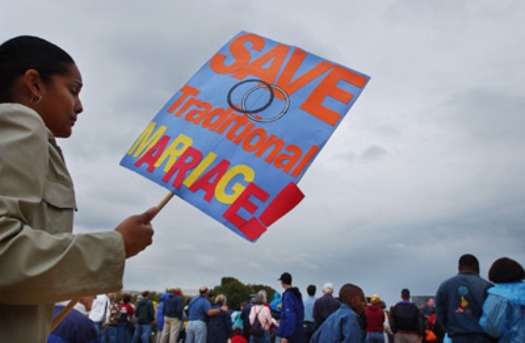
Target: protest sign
[(236, 139)]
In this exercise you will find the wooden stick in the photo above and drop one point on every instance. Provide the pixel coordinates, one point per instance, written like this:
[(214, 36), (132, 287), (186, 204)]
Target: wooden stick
[(63, 313), (164, 201), (73, 302)]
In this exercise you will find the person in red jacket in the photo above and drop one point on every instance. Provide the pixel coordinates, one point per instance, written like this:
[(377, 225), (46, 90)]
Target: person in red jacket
[(375, 317), (237, 336), (125, 323)]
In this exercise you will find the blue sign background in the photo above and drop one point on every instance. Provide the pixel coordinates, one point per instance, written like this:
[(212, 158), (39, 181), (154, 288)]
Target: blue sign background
[(299, 130)]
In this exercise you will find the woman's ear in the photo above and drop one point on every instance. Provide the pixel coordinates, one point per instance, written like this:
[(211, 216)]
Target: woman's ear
[(34, 85)]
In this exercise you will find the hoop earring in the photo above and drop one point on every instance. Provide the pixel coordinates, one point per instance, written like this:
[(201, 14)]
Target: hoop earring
[(35, 100)]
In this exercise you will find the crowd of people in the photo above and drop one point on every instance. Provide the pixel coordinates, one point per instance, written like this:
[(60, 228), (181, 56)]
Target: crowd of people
[(466, 308)]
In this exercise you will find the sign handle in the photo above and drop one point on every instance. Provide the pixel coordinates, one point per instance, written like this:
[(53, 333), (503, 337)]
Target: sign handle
[(73, 302), (63, 313), (164, 201)]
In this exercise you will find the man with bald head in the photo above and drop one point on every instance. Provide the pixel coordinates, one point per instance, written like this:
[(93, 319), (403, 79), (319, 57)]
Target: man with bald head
[(344, 324)]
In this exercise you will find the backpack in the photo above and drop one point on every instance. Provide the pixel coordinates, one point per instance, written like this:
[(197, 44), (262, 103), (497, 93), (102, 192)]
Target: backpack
[(113, 315), (144, 312), (141, 306), (257, 328)]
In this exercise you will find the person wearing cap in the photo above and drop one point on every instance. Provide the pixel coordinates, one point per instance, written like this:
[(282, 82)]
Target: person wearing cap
[(172, 312), (325, 305), (290, 328), (406, 320), (375, 317), (459, 302)]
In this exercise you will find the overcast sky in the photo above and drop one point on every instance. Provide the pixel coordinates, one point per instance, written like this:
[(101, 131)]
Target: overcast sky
[(427, 165)]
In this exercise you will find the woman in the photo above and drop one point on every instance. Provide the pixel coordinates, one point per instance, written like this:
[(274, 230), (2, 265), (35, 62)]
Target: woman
[(219, 326), (504, 309), (125, 321), (41, 261), (260, 311)]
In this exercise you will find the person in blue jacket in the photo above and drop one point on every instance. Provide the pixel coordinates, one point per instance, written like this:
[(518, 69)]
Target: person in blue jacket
[(76, 327), (219, 327), (275, 305), (160, 312), (344, 324), (290, 328), (459, 302), (504, 309)]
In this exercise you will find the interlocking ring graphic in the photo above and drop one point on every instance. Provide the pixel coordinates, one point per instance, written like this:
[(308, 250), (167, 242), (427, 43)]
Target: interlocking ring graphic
[(251, 112)]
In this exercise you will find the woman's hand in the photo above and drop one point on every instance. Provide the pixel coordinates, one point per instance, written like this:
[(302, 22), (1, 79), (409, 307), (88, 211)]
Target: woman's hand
[(137, 231)]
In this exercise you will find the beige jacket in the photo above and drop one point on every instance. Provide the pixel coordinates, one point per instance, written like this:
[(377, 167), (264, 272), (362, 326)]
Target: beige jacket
[(41, 261)]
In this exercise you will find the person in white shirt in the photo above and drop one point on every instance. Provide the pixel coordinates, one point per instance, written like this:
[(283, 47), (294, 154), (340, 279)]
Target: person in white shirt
[(99, 311)]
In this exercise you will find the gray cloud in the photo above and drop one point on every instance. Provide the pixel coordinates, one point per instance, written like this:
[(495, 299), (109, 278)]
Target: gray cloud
[(425, 167)]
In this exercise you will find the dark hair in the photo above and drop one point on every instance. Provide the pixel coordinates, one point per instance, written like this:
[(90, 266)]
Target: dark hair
[(506, 270), (349, 291), (22, 53), (126, 297), (286, 278), (311, 290), (469, 262)]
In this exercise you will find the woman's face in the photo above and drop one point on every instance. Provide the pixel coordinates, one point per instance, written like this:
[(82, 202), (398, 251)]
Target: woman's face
[(60, 104)]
